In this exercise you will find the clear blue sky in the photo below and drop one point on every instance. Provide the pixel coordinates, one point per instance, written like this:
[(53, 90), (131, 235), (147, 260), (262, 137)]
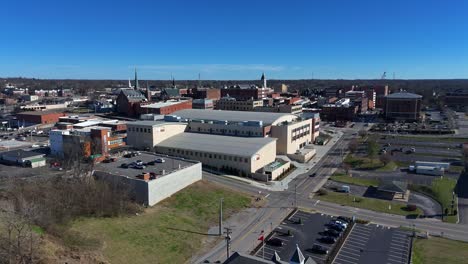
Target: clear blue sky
[(234, 39)]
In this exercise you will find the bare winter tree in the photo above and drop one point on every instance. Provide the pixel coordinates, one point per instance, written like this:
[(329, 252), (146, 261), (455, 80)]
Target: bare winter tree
[(385, 158), (353, 146), (18, 242)]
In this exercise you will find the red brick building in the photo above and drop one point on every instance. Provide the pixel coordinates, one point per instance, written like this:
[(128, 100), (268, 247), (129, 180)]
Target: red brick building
[(205, 93), (163, 107), (39, 117), (243, 92), (402, 106)]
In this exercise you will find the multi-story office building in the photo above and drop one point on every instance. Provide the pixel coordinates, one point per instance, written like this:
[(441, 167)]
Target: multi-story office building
[(402, 106)]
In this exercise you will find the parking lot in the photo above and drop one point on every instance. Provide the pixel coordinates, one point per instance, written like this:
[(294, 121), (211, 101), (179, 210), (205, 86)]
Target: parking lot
[(368, 244), (170, 164), (305, 235)]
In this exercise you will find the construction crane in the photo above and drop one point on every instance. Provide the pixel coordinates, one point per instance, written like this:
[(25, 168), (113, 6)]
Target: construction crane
[(384, 75)]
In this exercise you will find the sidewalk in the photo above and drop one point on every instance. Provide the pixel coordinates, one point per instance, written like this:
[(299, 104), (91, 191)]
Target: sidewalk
[(301, 168)]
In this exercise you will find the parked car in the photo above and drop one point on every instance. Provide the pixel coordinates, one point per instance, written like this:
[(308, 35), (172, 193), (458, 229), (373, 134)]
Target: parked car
[(336, 227), (124, 165), (276, 242), (140, 167), (128, 155), (344, 219), (319, 249), (328, 240), (313, 174), (159, 160), (139, 162), (331, 232), (338, 222)]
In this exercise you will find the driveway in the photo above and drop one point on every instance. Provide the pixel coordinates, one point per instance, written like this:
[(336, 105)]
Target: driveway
[(431, 208)]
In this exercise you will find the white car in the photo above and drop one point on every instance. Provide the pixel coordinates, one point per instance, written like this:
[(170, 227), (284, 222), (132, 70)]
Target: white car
[(159, 160)]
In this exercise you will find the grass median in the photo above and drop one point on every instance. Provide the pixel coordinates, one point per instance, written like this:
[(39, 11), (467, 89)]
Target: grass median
[(439, 250), (365, 163), (353, 180), (368, 203), (171, 232)]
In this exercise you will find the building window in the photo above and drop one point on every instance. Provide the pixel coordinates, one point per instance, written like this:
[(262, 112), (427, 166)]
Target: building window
[(246, 160)]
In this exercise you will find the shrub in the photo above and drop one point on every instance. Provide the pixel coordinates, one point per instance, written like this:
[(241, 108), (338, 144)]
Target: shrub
[(322, 192), (411, 207)]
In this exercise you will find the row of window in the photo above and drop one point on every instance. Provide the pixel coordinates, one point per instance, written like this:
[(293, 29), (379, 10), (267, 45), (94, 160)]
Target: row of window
[(195, 154), (300, 135), (228, 131), (139, 129), (306, 127)]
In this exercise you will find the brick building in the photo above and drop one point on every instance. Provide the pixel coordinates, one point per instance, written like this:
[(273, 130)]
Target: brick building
[(205, 93), (244, 92), (457, 99), (39, 117), (128, 102), (163, 107), (402, 106)]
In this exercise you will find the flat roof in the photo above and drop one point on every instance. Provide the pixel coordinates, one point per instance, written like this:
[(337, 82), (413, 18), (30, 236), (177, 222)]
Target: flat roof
[(240, 146), (163, 104), (234, 116), (171, 165), (38, 113), (21, 154), (151, 123), (88, 123), (404, 95)]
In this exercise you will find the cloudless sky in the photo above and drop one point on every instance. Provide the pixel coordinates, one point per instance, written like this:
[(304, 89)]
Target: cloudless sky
[(234, 39)]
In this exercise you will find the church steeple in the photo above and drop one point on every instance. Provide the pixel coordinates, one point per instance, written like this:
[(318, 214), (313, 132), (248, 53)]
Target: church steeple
[(264, 80), (137, 86)]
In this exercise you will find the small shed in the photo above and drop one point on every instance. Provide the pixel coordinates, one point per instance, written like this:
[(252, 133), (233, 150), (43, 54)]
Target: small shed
[(23, 158)]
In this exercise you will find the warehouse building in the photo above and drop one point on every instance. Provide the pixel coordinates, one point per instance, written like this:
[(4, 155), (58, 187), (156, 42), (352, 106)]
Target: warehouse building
[(293, 132), (146, 134), (39, 117), (235, 155), (23, 158)]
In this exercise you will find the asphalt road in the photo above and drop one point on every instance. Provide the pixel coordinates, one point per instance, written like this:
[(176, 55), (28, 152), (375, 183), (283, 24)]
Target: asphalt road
[(280, 204)]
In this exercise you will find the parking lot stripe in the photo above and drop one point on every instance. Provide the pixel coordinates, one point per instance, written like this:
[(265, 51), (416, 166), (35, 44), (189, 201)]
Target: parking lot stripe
[(347, 251), (398, 247), (346, 260), (397, 261), (354, 246), (357, 242)]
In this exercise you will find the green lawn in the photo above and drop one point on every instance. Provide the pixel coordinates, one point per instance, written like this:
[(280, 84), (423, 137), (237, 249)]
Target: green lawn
[(441, 190), (439, 251), (367, 203), (170, 232), (391, 166), (364, 163), (457, 169), (353, 180)]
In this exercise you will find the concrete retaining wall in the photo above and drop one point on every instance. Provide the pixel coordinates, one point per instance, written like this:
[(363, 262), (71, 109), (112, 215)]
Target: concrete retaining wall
[(151, 192)]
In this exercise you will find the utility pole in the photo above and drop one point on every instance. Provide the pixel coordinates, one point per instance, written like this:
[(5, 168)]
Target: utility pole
[(228, 233), (221, 216)]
